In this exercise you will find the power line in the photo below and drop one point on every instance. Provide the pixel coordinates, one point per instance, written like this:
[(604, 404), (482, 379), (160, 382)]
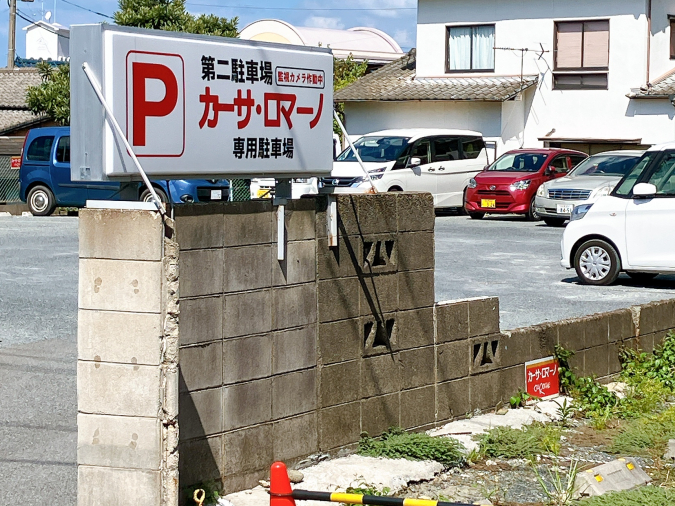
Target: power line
[(86, 9), (253, 7), (31, 21)]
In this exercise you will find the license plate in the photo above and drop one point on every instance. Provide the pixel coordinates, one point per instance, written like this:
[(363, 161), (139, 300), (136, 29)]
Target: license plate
[(488, 203), (216, 194), (264, 193), (565, 208)]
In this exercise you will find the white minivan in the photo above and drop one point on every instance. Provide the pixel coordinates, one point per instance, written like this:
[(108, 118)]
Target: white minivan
[(631, 230), (437, 161)]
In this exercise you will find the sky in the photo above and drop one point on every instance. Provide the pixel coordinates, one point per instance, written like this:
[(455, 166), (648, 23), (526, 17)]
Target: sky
[(394, 17)]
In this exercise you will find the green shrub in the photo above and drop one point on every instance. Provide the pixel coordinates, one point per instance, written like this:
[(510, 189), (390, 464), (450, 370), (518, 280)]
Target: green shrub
[(398, 444), (510, 443), (639, 436), (645, 496), (659, 366)]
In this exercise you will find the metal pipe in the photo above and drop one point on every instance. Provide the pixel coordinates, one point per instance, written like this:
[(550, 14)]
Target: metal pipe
[(649, 37)]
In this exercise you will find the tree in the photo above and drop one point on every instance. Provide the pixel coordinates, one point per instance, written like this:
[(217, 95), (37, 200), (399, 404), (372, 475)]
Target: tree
[(345, 72), (52, 96)]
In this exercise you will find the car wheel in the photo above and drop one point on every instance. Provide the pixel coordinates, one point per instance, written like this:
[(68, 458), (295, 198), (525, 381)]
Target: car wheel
[(395, 189), (642, 277), (597, 263), (146, 196), (41, 201), (532, 214), (554, 222), (476, 216)]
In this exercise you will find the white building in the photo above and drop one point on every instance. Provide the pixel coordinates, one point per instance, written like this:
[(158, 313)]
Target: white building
[(47, 41), (479, 65)]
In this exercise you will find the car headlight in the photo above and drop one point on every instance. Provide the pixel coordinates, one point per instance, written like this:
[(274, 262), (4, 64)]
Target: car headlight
[(520, 185), (472, 183), (580, 211), (603, 192), (542, 192), (377, 173)]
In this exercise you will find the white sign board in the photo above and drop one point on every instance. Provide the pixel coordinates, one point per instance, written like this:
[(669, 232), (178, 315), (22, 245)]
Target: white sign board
[(196, 106)]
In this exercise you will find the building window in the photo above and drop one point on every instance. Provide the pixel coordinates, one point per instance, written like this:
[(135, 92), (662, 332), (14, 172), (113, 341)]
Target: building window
[(671, 20), (581, 55), (471, 48)]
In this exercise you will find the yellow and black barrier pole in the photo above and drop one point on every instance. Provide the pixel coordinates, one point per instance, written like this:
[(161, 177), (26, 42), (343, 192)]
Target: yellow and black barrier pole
[(281, 494)]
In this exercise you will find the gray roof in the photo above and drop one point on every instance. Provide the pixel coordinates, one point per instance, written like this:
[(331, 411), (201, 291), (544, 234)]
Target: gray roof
[(662, 87), (398, 81), (14, 112)]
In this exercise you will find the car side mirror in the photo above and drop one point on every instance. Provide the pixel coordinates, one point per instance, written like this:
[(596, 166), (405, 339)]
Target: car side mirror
[(644, 190), (415, 162)]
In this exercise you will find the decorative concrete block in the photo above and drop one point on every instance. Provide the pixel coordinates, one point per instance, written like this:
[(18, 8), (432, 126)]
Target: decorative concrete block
[(247, 404), (247, 358), (247, 268), (379, 253), (293, 393), (117, 389), (200, 226), (118, 441), (247, 313), (379, 413), (418, 407), (295, 437), (249, 222), (418, 368), (294, 349), (298, 266), (201, 320), (341, 261), (416, 289), (108, 486), (201, 272), (247, 449), (377, 213), (415, 328), (339, 426), (415, 211), (339, 383), (294, 306), (379, 334), (483, 316), (379, 294), (454, 360), (453, 399), (380, 375), (340, 341), (201, 366), (338, 299), (486, 353), (112, 336), (121, 234), (415, 251), (200, 460), (120, 285), (452, 321), (200, 413)]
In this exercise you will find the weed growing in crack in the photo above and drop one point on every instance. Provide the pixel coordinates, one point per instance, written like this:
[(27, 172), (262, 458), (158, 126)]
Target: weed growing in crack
[(510, 443), (561, 489)]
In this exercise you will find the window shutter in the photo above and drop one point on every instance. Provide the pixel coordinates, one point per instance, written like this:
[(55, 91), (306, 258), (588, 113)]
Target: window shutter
[(568, 44), (596, 44)]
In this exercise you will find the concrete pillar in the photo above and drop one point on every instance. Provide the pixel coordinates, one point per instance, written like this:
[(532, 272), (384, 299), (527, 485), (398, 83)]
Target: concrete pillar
[(127, 371)]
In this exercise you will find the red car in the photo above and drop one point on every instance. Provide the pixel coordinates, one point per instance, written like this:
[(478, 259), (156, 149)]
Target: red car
[(510, 184)]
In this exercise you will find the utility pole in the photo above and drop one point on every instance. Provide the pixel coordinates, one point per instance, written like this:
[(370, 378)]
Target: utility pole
[(11, 38)]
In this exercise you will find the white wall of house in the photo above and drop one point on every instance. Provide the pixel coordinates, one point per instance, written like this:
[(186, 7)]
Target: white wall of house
[(47, 41)]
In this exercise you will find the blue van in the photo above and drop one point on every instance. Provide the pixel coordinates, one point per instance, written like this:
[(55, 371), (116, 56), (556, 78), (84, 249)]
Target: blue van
[(44, 179)]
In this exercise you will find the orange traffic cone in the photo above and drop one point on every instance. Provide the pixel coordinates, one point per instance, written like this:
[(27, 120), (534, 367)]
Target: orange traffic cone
[(280, 486)]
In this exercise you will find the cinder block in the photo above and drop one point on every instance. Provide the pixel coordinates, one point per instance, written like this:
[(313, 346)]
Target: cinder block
[(339, 383), (121, 234), (380, 413), (380, 375), (576, 363), (340, 261), (200, 413), (201, 320), (546, 339), (621, 325), (243, 481), (418, 367), (339, 426), (454, 360), (415, 289), (294, 306), (415, 251), (657, 316), (485, 390), (247, 404), (452, 321), (200, 460), (338, 299), (293, 393), (300, 215), (247, 358), (379, 294), (120, 285), (118, 441), (200, 226), (647, 342), (298, 266), (379, 253), (596, 361), (597, 330), (320, 224), (108, 486), (347, 208), (510, 381), (247, 268), (247, 449), (112, 336), (516, 346), (415, 211), (486, 353), (247, 313), (453, 399), (249, 222), (415, 328), (295, 437), (340, 341), (377, 213), (620, 474), (418, 407), (378, 334), (201, 272), (201, 366), (294, 349), (117, 389), (571, 334), (483, 316), (614, 362)]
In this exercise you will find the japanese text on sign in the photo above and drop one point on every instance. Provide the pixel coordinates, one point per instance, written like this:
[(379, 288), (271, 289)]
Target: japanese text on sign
[(542, 378)]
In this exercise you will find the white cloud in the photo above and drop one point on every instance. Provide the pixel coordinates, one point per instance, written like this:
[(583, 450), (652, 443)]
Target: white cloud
[(324, 22)]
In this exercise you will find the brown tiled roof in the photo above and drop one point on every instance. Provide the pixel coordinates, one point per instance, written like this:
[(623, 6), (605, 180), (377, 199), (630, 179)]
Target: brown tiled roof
[(398, 81), (662, 87), (14, 113), (13, 119)]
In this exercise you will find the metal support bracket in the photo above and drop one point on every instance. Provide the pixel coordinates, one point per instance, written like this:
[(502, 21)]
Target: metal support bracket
[(332, 221), (283, 192)]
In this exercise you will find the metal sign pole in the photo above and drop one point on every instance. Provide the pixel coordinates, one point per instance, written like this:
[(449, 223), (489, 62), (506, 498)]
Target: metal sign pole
[(356, 153)]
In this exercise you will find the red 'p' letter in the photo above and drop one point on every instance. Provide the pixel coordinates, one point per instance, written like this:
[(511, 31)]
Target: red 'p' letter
[(143, 108)]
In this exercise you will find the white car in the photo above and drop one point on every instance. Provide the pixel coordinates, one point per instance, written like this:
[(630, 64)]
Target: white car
[(630, 230), (437, 161)]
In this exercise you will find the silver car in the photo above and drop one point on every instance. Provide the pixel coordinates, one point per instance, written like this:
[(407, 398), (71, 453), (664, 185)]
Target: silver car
[(593, 178)]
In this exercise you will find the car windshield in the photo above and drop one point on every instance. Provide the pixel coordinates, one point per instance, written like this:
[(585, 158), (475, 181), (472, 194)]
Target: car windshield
[(519, 162), (375, 149), (605, 165)]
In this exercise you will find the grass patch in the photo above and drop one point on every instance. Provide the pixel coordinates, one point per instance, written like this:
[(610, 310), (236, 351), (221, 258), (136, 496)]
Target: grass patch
[(644, 496), (510, 443), (645, 435), (398, 444)]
